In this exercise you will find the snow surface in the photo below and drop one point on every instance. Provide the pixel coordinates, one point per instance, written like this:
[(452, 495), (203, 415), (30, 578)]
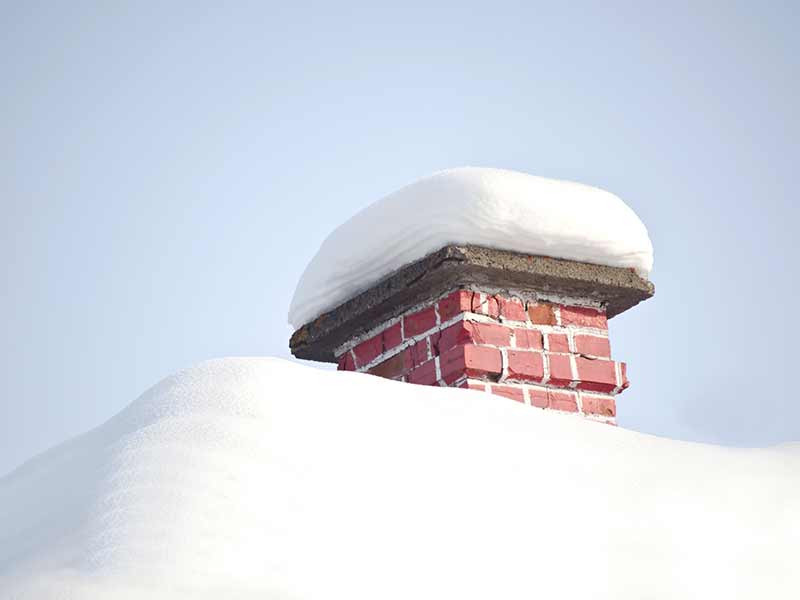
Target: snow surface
[(259, 478), (499, 209)]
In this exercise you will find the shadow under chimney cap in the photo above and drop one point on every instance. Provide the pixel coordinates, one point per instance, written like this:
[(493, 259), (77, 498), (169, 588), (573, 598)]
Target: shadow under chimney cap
[(467, 267)]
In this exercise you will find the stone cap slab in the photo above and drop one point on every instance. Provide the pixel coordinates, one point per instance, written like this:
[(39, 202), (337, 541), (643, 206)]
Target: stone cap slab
[(468, 267)]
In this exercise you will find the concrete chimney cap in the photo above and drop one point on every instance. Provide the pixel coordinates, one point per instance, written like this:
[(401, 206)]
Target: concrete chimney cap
[(481, 269)]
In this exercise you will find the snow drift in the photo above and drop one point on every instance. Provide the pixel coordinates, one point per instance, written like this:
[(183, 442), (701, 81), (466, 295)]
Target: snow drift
[(258, 478), (499, 209)]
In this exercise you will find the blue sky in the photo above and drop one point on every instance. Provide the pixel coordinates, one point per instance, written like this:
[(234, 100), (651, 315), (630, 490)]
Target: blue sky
[(166, 172)]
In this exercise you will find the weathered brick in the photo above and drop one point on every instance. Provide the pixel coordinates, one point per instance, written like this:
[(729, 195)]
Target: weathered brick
[(511, 308), (560, 369), (471, 332), (580, 316), (419, 322), (539, 398), (596, 374), (419, 352), (424, 374), (593, 345), (509, 392), (623, 367), (346, 362), (542, 313), (434, 341), (557, 342), (525, 366), (484, 304), (489, 333), (451, 363), (368, 350), (599, 405), (482, 360), (475, 385), (455, 335), (566, 401), (394, 367), (392, 337), (528, 338), (493, 308), (473, 361), (455, 303)]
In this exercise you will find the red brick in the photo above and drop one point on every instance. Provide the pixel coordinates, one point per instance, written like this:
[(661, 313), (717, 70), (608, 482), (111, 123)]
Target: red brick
[(473, 361), (419, 352), (424, 374), (451, 363), (394, 367), (511, 308), (455, 335), (346, 362), (373, 347), (419, 322), (556, 400), (466, 332), (481, 360), (509, 392), (487, 306), (493, 308), (599, 405), (595, 374), (476, 385), (560, 369), (566, 401), (542, 313), (539, 398), (528, 338), (583, 317), (557, 342), (593, 345), (368, 350), (456, 303), (433, 340), (489, 333), (392, 337), (525, 366), (623, 368)]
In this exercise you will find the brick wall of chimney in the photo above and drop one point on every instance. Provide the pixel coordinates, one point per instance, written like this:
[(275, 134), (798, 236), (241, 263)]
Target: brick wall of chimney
[(544, 354)]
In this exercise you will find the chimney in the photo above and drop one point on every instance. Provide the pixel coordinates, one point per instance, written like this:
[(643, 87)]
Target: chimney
[(526, 327)]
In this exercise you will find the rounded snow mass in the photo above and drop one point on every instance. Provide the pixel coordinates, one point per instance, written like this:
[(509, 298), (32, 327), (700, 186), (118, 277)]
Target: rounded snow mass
[(253, 478), (495, 208)]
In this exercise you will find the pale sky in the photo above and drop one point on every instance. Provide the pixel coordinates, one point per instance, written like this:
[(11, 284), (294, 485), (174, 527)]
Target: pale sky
[(167, 171)]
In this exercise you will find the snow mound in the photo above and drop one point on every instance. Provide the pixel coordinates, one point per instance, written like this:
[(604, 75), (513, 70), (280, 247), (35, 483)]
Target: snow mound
[(499, 209), (258, 478)]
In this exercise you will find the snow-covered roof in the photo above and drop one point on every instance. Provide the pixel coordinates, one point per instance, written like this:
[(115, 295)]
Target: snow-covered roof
[(258, 478), (494, 208)]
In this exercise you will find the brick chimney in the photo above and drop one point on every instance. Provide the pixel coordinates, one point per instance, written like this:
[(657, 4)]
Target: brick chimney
[(530, 328)]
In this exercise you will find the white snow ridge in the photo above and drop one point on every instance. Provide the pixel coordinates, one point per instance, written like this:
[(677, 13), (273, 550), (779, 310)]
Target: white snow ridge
[(258, 478), (495, 208)]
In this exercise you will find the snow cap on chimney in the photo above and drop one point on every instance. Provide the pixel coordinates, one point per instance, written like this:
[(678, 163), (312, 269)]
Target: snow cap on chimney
[(480, 278)]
